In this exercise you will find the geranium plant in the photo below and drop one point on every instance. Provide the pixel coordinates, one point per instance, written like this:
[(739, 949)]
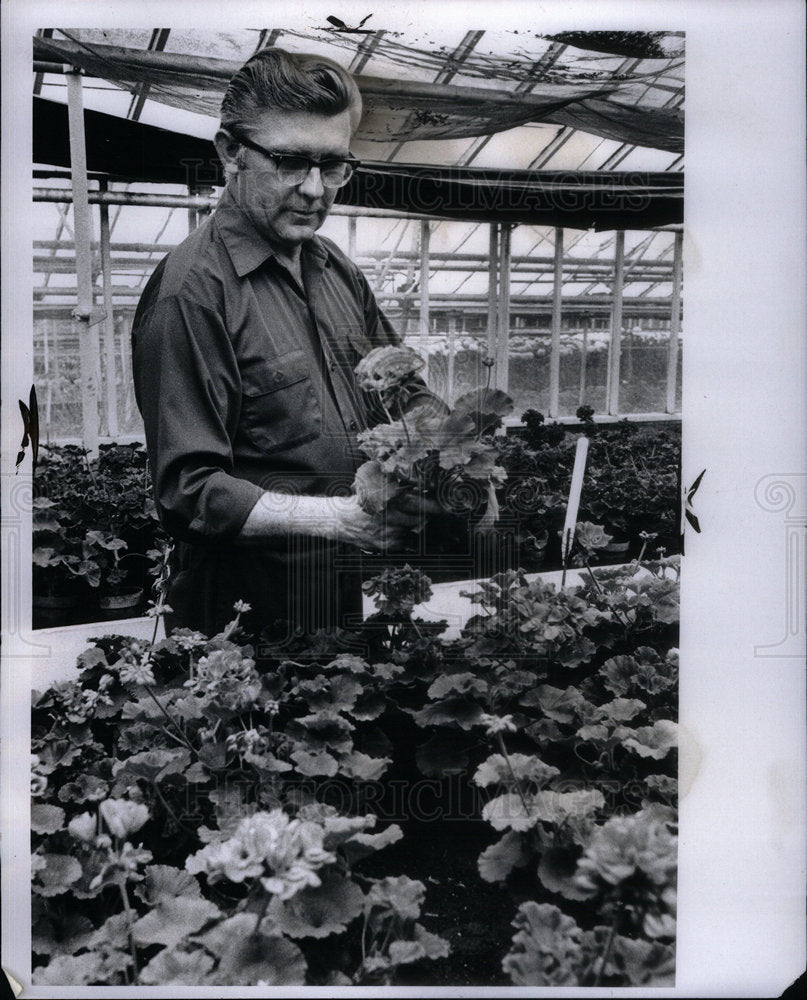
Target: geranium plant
[(425, 449), (184, 830)]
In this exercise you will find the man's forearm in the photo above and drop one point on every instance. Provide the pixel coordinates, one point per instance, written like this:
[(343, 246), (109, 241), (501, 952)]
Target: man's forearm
[(277, 515), (280, 515)]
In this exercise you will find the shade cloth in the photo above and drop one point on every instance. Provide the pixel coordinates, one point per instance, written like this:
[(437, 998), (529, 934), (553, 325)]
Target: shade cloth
[(132, 151), (400, 109)]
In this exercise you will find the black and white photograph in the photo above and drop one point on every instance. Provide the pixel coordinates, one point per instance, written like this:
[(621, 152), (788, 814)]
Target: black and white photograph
[(404, 502)]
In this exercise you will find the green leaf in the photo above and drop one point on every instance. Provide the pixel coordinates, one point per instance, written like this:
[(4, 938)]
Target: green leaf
[(113, 932), (464, 683), (374, 488), (399, 894), (92, 657), (369, 705), (424, 945), (213, 755), (546, 948), (319, 911), (173, 918), (65, 936), (363, 767), (486, 407), (247, 958), (165, 881), (621, 709), (45, 818), (314, 764), (521, 813), (154, 765), (70, 970), (458, 711), (362, 844), (182, 967), (59, 873), (322, 730), (556, 870), (496, 770), (86, 788), (57, 753), (646, 962), (559, 705), (433, 946), (404, 952), (497, 861), (510, 812), (654, 741), (618, 674)]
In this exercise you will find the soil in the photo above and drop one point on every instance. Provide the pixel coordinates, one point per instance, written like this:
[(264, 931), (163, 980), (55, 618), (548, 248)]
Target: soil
[(472, 915)]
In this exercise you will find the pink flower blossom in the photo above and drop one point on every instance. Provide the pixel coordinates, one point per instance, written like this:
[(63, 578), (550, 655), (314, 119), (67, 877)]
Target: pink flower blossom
[(123, 817), (285, 852), (83, 827)]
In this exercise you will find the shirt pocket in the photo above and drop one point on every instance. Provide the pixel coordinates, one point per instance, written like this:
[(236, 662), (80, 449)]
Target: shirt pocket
[(279, 407)]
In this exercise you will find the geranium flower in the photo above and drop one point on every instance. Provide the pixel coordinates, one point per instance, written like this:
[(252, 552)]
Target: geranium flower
[(250, 741), (624, 846), (591, 536), (77, 703), (83, 827), (388, 367), (123, 816), (188, 640), (495, 724), (139, 672), (227, 677), (285, 852)]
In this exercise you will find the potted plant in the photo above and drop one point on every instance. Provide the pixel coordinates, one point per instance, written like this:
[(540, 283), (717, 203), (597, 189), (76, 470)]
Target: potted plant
[(102, 567), (56, 561)]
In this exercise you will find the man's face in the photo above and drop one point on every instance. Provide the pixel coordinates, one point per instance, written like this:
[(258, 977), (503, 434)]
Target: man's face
[(288, 215)]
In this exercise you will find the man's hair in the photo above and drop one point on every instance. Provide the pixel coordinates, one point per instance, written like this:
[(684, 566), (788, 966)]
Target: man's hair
[(276, 80)]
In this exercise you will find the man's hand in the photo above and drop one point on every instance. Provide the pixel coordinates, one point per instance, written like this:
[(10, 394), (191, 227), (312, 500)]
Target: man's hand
[(389, 531)]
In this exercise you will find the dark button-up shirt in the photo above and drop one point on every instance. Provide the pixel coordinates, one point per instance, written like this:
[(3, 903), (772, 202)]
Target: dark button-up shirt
[(245, 382)]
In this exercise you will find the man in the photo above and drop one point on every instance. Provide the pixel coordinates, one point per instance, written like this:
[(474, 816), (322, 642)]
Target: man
[(244, 344)]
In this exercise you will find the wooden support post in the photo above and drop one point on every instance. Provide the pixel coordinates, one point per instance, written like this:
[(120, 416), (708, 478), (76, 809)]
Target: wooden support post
[(503, 317), (615, 345), (87, 332), (448, 395), (584, 360), (493, 288), (425, 233), (675, 322), (109, 325), (557, 305)]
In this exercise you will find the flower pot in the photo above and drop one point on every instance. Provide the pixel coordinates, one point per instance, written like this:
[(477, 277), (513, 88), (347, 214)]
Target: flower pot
[(53, 609), (617, 549), (123, 604)]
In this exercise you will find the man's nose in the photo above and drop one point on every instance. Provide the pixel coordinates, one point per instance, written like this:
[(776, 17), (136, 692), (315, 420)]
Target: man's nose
[(312, 186)]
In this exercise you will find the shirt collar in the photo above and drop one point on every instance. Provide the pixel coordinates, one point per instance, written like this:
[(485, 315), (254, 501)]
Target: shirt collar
[(245, 245)]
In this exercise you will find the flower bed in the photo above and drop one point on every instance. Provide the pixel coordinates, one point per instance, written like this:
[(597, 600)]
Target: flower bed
[(226, 812)]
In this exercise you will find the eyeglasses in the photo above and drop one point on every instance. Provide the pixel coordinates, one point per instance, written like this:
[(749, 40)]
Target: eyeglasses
[(294, 168)]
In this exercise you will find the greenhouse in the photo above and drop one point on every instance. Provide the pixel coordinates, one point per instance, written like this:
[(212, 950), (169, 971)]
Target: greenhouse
[(472, 778)]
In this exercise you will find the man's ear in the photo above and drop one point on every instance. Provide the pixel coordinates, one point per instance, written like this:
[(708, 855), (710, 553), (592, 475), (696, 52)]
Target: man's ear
[(227, 147)]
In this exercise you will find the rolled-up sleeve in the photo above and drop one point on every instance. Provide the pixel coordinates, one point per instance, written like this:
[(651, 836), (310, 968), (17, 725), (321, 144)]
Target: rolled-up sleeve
[(188, 388)]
